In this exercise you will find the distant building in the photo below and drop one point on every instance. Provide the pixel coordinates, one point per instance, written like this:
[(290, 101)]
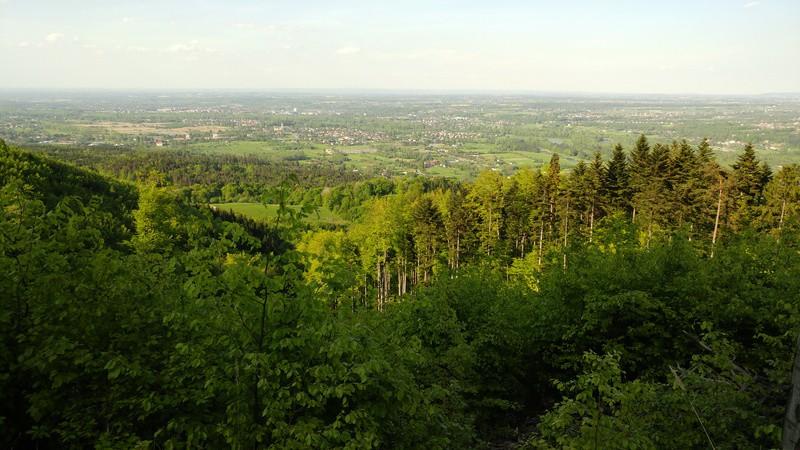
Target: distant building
[(159, 143)]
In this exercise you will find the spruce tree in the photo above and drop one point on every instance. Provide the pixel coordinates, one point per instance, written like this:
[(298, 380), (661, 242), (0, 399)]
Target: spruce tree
[(427, 227), (595, 175), (639, 171), (682, 181), (749, 179), (580, 195), (516, 212), (616, 180), (553, 191), (748, 175), (782, 200), (704, 152)]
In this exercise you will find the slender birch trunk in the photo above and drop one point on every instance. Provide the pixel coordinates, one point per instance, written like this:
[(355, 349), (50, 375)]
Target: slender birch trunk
[(716, 219)]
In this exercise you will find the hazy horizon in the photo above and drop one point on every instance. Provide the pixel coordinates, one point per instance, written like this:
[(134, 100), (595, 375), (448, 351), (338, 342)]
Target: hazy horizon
[(727, 48), (388, 91)]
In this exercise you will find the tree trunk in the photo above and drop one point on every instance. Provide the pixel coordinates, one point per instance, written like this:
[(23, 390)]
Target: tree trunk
[(458, 249), (488, 247), (387, 285), (780, 221), (387, 275), (551, 219), (541, 240), (405, 276), (450, 253), (399, 280), (378, 284), (716, 219), (566, 233)]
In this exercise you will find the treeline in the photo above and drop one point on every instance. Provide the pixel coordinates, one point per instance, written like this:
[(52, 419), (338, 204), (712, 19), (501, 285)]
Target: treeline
[(409, 233), (163, 325), (211, 178)]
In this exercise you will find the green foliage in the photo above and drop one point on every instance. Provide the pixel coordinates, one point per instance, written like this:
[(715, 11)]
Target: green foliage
[(139, 320), (713, 403)]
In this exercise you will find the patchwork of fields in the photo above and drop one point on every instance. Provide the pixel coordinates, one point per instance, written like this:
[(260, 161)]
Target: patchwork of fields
[(417, 135)]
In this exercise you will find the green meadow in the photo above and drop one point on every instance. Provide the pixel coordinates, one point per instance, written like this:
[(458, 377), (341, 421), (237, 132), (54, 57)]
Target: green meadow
[(264, 213)]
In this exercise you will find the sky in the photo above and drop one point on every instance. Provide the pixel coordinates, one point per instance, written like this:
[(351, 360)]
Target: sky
[(566, 46)]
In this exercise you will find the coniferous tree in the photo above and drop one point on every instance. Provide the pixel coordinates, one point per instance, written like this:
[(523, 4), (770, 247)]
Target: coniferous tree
[(539, 211), (704, 152), (749, 179), (516, 212), (595, 175), (639, 169), (781, 206), (486, 195), (581, 194), (553, 191), (653, 198), (428, 227), (712, 186), (458, 223), (616, 181), (683, 182)]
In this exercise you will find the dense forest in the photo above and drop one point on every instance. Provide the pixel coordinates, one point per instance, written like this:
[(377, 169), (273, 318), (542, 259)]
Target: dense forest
[(651, 300)]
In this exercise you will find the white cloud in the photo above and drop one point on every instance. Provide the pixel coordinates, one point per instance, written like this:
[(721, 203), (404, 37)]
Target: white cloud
[(127, 19), (54, 37), (24, 44), (190, 47), (348, 50), (751, 4), (182, 47)]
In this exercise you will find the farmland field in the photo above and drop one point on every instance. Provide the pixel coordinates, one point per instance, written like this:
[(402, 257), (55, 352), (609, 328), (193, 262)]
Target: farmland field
[(397, 136)]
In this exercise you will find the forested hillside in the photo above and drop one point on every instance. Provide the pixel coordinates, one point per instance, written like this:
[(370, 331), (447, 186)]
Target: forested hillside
[(651, 300)]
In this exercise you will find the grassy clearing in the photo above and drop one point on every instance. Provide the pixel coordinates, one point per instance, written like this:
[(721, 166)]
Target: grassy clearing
[(458, 172), (263, 213)]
